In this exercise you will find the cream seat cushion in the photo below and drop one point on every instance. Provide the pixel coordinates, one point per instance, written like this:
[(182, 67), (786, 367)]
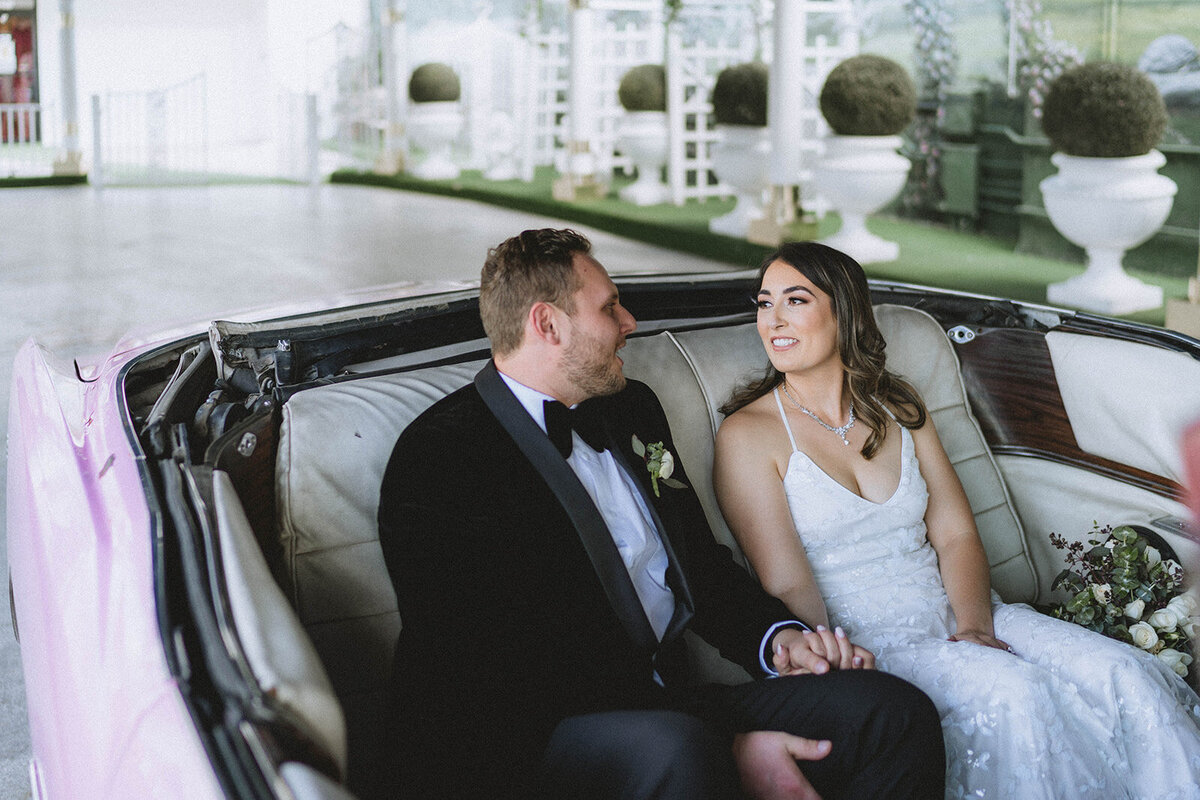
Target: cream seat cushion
[(334, 445)]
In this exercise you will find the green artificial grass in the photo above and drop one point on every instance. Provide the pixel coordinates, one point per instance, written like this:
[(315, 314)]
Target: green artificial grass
[(930, 255), (42, 180)]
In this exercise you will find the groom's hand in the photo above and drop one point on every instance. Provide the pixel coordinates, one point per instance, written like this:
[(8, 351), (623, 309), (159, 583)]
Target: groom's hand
[(801, 652), (766, 762)]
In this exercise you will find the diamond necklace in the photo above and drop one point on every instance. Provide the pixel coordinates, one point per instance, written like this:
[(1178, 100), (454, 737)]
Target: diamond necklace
[(842, 431)]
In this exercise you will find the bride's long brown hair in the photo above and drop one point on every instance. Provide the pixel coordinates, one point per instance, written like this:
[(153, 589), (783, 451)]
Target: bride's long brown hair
[(860, 344)]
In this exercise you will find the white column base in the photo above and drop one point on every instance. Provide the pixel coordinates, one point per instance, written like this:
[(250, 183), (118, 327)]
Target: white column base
[(437, 166), (70, 163), (1105, 288), (856, 241), (737, 222), (645, 191)]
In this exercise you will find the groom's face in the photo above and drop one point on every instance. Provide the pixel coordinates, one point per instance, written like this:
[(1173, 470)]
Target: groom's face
[(595, 332)]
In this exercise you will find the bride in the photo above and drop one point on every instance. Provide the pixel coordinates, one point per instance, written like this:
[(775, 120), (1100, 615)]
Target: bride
[(845, 502)]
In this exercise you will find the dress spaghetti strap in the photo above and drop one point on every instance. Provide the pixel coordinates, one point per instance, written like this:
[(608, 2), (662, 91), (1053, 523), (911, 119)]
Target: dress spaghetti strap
[(783, 416)]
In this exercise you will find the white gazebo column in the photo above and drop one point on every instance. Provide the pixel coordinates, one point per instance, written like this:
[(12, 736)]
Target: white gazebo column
[(69, 161), (580, 181), (785, 119), (393, 53)]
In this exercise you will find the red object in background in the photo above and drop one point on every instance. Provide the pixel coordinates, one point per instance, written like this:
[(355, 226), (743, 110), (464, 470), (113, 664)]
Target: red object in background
[(19, 126), (1191, 471), (23, 85)]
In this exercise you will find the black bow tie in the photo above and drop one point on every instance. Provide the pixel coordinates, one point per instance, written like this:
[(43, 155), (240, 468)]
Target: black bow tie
[(583, 419)]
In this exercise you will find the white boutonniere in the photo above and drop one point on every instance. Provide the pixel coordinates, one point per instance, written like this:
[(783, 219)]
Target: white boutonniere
[(659, 463)]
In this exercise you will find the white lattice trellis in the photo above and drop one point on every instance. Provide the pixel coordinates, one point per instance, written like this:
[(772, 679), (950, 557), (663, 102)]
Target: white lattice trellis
[(628, 33), (620, 49), (709, 35), (542, 87), (705, 38), (831, 36)]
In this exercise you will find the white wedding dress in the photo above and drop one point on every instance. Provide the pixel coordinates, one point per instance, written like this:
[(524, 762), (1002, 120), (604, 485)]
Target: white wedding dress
[(1072, 715)]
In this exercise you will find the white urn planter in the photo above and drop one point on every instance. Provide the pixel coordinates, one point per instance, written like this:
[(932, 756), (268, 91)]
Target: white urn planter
[(643, 137), (433, 127), (1107, 206), (857, 176), (741, 159)]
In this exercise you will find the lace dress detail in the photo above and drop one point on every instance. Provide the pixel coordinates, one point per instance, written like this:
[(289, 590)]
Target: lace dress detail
[(1071, 715)]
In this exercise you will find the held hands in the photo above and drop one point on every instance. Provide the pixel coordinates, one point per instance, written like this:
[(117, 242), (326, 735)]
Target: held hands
[(801, 652), (766, 762)]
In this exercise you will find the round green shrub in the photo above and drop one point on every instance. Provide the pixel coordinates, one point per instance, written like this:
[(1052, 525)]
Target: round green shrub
[(644, 88), (739, 96), (868, 95), (1103, 110), (434, 83)]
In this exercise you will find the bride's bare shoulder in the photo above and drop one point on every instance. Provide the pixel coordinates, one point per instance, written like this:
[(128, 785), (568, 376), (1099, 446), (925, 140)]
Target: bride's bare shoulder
[(751, 424)]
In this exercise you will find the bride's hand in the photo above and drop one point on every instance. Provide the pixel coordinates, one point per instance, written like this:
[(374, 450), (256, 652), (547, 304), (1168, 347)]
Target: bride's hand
[(819, 651), (979, 637)]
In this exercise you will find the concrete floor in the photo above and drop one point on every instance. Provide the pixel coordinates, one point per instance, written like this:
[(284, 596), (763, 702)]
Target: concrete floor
[(79, 267)]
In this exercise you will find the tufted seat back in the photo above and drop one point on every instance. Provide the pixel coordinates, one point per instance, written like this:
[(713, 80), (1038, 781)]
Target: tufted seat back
[(335, 442)]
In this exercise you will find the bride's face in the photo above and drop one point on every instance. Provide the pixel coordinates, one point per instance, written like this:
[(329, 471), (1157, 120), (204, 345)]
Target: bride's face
[(795, 320)]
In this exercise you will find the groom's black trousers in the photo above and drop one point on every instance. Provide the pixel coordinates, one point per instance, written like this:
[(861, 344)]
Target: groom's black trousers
[(886, 735)]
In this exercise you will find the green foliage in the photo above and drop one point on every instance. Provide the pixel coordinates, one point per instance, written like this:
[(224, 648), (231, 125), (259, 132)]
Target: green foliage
[(868, 95), (1123, 587), (740, 95), (644, 88), (434, 83), (1103, 110)]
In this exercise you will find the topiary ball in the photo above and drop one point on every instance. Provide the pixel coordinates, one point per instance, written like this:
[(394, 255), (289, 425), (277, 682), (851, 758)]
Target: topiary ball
[(868, 95), (1103, 110), (739, 96), (644, 88), (434, 83)]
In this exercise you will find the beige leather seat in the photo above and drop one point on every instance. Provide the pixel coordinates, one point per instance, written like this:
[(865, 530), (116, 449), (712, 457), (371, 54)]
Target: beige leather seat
[(335, 441)]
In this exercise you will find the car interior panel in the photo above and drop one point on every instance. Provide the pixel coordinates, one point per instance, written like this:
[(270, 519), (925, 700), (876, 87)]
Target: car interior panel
[(1050, 422)]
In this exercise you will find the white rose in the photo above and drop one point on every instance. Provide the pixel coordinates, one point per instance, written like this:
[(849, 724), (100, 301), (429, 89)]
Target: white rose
[(1176, 660), (1184, 605), (1143, 635), (667, 465), (1188, 626), (1164, 620), (1135, 609), (1102, 592), (1152, 555)]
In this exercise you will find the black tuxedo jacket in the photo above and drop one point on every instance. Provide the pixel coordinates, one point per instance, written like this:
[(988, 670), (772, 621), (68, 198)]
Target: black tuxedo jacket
[(507, 628)]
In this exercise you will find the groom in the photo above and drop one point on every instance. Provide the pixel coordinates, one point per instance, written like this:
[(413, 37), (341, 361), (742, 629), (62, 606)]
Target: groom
[(544, 590)]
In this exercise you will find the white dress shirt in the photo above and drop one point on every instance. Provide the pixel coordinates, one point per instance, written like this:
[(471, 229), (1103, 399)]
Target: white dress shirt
[(627, 518), (624, 512)]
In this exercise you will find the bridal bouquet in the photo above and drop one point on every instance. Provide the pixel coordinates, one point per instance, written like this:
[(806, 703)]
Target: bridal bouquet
[(1123, 587)]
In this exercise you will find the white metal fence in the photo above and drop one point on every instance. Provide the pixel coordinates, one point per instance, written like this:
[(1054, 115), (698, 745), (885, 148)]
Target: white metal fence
[(160, 136), (28, 139), (351, 105)]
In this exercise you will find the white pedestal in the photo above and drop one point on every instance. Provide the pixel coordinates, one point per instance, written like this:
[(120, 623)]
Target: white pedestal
[(1106, 206), (1105, 287), (742, 159), (856, 241), (858, 176), (643, 138), (433, 127)]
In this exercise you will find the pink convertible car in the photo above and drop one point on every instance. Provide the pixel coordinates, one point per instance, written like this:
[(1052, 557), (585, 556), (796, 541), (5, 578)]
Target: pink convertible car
[(201, 602)]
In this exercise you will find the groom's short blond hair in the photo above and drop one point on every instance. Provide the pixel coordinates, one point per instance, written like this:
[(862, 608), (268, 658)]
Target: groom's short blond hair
[(535, 266)]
